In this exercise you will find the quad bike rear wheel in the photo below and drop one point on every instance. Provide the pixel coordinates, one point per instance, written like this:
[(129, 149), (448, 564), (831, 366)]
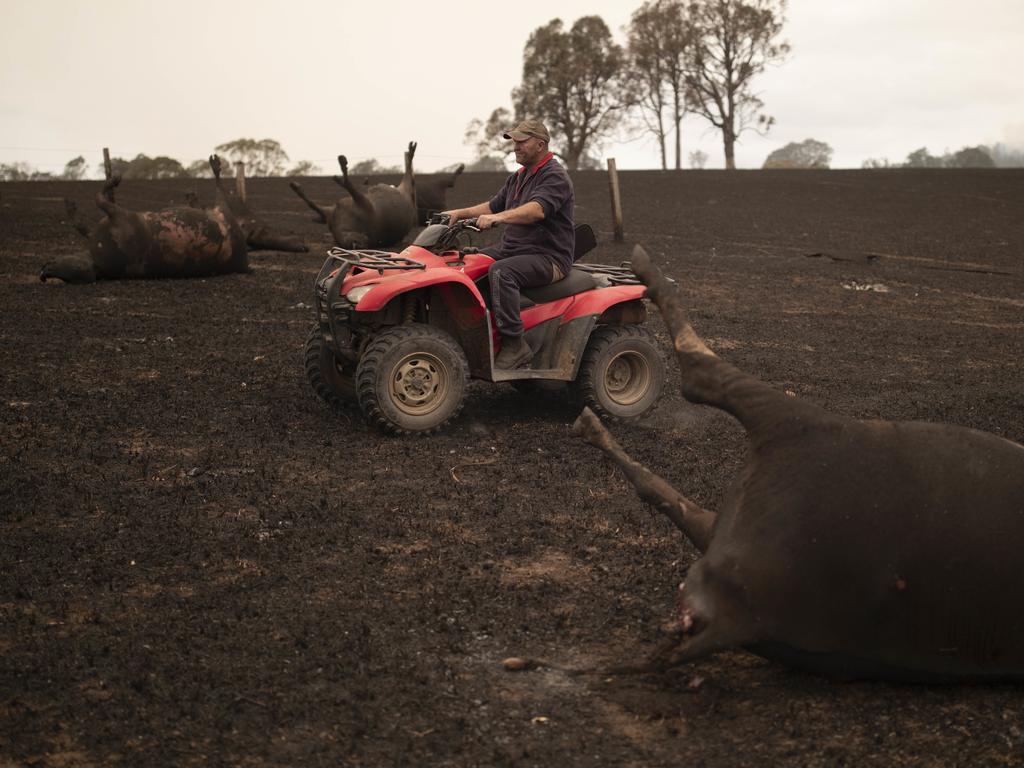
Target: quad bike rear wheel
[(621, 374), (412, 378), (333, 382)]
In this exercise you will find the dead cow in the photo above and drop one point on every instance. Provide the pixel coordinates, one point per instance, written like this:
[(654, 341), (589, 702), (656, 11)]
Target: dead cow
[(258, 236), (857, 549), (377, 216), (431, 194), (175, 242)]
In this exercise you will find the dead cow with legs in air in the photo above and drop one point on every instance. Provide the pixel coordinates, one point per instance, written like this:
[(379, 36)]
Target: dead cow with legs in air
[(856, 549), (377, 216), (175, 242)]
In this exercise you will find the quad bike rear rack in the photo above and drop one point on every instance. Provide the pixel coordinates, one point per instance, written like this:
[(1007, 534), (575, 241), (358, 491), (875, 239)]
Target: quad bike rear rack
[(609, 275)]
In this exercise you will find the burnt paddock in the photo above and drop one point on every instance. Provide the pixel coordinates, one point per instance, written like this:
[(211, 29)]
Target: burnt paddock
[(200, 561)]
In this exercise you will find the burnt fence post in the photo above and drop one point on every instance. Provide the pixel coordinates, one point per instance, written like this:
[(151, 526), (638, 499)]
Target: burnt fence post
[(613, 184), (240, 180)]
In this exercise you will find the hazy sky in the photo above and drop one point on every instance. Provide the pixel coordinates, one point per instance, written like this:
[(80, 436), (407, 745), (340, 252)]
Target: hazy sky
[(873, 78)]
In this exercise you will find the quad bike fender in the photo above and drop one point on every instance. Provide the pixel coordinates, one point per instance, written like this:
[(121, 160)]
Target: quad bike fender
[(617, 304), (384, 292), (606, 300)]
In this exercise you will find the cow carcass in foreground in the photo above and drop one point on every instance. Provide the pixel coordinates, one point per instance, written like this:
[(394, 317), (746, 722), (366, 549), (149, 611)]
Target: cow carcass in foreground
[(377, 216), (857, 549), (175, 242)]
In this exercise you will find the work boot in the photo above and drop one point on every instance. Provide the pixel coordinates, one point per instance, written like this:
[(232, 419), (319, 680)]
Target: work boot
[(514, 353)]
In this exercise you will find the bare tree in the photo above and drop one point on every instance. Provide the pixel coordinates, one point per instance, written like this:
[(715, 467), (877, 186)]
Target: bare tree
[(735, 42), (660, 37), (486, 138), (698, 159), (645, 75), (571, 81)]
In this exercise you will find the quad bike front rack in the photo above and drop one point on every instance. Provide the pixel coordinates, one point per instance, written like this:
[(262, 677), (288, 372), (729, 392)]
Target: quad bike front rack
[(341, 261), (365, 259)]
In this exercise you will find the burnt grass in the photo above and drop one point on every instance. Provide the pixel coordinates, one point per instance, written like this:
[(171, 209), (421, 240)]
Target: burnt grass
[(201, 564)]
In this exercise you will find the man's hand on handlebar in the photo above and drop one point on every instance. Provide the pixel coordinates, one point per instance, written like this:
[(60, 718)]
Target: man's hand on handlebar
[(486, 221)]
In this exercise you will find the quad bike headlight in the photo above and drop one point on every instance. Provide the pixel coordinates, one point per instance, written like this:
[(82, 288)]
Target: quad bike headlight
[(357, 293)]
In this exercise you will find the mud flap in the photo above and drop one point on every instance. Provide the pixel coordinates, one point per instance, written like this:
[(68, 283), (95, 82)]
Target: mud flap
[(560, 356)]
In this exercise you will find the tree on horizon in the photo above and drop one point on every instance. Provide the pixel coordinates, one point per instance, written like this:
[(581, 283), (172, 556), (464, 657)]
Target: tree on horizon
[(735, 43), (264, 157), (660, 37), (571, 81), (809, 153)]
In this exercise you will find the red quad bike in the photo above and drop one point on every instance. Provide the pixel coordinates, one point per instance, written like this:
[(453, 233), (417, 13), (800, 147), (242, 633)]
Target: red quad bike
[(401, 334)]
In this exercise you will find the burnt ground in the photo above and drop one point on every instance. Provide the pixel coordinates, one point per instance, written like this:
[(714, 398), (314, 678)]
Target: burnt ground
[(201, 564)]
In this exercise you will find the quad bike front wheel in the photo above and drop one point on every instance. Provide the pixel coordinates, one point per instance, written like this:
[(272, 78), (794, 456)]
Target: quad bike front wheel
[(412, 378), (621, 374), (331, 381)]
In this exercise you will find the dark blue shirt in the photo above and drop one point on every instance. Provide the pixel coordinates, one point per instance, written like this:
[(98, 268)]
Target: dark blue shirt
[(548, 185)]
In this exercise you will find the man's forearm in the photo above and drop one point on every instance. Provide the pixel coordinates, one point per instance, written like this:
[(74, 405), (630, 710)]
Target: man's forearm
[(527, 213), (472, 213)]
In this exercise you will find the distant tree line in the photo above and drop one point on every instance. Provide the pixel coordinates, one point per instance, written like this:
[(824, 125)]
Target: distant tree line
[(74, 170), (811, 153), (981, 156), (263, 157), (681, 57)]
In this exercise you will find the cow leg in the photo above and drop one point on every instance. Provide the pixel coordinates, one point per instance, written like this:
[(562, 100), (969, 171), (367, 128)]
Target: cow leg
[(360, 200), (107, 193), (215, 166), (222, 195), (680, 649), (109, 186), (321, 214), (105, 197), (695, 522), (455, 175), (708, 379), (76, 222), (407, 186), (262, 239)]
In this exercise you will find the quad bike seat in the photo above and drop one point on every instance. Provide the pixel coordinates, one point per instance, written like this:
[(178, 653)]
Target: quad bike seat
[(577, 281)]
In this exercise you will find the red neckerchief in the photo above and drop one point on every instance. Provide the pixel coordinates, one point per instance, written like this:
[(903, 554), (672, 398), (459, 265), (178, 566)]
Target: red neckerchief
[(532, 172)]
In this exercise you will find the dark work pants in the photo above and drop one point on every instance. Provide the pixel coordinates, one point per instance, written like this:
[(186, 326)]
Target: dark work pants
[(506, 277)]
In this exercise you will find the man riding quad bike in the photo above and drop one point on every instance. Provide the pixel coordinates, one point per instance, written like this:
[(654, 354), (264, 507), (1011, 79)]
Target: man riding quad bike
[(401, 334)]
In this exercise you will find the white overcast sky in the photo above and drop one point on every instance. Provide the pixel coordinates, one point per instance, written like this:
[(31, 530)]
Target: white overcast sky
[(873, 78)]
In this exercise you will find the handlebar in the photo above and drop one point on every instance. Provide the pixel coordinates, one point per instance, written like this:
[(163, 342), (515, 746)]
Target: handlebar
[(444, 218)]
